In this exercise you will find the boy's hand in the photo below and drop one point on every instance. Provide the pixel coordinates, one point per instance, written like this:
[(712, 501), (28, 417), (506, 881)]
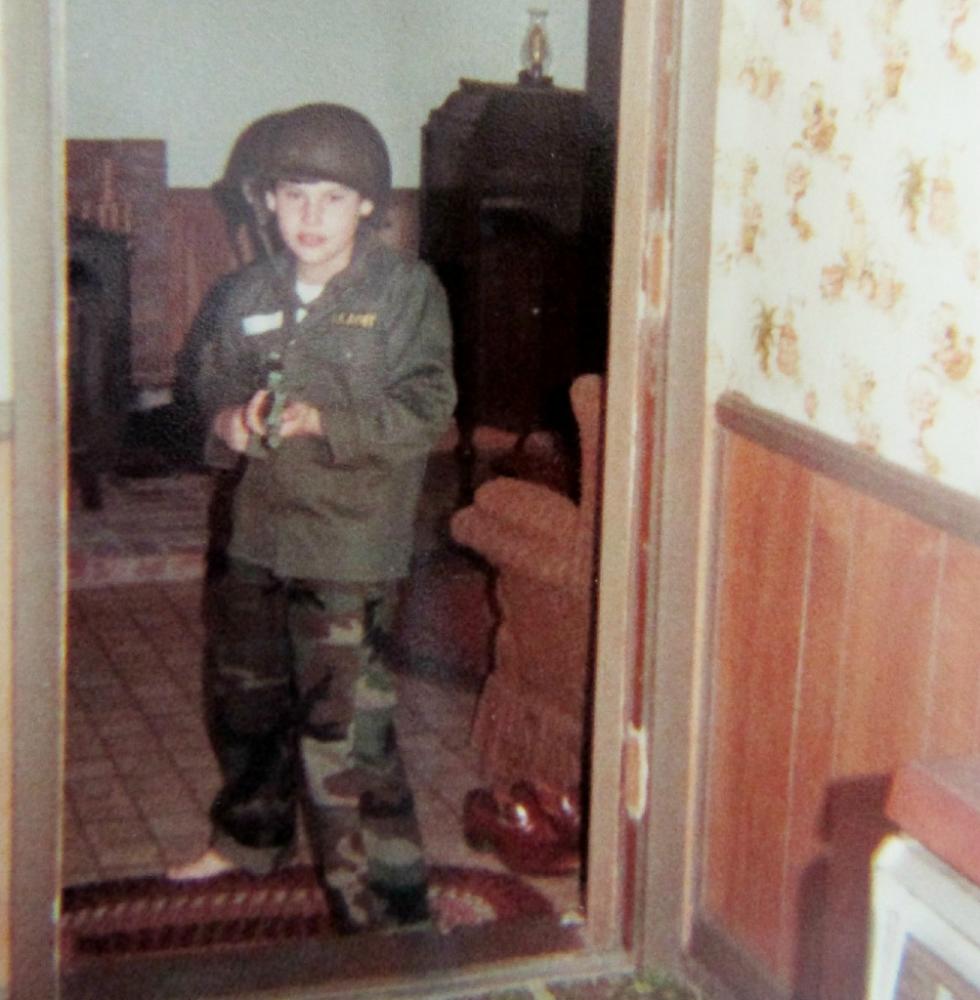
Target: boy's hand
[(298, 419), (255, 411), (230, 426)]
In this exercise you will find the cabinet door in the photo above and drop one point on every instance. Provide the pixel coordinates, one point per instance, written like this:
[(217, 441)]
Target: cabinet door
[(523, 327)]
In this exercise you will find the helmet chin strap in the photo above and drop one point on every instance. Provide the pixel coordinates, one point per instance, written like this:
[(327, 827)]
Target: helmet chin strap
[(272, 362)]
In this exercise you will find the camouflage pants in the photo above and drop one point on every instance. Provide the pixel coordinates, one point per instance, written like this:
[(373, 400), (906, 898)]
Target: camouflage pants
[(300, 705)]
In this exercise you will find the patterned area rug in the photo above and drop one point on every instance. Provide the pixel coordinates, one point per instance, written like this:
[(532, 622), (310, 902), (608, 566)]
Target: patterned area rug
[(152, 915), (158, 528), (147, 529), (651, 986)]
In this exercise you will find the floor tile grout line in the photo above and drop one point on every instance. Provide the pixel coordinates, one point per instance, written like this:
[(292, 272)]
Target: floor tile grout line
[(172, 606), (145, 826)]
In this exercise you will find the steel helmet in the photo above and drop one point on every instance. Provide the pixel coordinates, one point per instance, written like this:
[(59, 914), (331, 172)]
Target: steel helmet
[(329, 142)]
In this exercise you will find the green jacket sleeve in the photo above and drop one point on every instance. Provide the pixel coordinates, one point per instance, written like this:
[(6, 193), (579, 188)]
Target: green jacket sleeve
[(419, 393), (226, 376)]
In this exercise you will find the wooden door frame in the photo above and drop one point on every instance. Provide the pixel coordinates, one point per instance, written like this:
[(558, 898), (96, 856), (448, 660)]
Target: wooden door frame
[(653, 613), (650, 608), (32, 213)]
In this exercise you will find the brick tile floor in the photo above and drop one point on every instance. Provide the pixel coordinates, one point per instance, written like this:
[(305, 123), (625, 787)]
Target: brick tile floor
[(139, 770)]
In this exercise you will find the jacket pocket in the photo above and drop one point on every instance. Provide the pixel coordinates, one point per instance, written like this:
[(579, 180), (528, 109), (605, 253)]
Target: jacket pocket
[(338, 493), (345, 367)]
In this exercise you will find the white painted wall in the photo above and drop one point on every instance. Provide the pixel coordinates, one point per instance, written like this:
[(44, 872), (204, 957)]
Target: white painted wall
[(196, 72), (6, 385)]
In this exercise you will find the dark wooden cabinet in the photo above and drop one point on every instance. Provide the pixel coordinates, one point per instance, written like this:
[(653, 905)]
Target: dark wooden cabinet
[(119, 186), (516, 209), (99, 352)]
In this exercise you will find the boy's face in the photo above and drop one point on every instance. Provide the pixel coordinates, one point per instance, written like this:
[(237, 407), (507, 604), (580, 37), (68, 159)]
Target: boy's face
[(318, 221)]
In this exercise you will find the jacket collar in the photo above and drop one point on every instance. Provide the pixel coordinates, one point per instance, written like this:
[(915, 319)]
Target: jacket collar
[(366, 246)]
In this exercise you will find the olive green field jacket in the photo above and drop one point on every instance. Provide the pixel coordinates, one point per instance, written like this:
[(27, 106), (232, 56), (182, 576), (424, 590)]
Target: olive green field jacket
[(373, 353)]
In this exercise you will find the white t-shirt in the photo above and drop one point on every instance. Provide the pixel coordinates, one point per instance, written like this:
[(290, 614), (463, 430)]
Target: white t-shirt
[(306, 294)]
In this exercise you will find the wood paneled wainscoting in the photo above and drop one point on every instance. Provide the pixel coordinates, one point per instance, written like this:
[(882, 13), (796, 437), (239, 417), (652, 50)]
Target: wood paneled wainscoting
[(201, 248), (846, 643)]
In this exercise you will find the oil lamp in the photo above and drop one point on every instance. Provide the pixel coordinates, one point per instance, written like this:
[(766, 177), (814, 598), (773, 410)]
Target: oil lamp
[(535, 51)]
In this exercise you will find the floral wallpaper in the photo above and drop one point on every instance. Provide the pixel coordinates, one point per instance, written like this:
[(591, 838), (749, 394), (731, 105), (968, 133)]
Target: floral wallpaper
[(845, 287)]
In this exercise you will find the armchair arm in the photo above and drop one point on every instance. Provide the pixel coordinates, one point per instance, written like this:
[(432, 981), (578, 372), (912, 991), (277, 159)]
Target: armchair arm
[(529, 509), (562, 563)]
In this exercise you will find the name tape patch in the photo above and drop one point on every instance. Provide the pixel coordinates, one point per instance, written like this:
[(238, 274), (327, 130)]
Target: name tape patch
[(261, 323), (363, 321)]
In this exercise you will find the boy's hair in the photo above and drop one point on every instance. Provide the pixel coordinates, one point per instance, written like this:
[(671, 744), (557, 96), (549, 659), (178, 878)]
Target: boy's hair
[(328, 142)]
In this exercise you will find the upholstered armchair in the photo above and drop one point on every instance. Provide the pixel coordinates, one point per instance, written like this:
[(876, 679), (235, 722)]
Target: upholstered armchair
[(530, 717)]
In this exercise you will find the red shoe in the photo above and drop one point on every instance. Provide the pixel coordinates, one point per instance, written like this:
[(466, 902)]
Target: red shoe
[(520, 833), (563, 809)]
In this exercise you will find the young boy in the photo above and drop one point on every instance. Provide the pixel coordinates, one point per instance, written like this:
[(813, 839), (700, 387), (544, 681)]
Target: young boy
[(331, 373)]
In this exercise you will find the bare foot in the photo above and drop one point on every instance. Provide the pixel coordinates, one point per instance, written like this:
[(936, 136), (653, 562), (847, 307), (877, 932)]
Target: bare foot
[(209, 864)]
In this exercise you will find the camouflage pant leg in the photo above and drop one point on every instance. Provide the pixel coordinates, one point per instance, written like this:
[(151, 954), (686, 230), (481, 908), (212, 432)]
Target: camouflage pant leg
[(249, 698), (361, 810)]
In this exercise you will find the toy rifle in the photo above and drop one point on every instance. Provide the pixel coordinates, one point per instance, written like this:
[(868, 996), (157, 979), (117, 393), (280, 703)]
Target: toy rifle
[(277, 400), (273, 365)]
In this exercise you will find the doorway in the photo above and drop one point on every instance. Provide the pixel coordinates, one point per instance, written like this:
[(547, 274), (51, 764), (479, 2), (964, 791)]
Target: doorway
[(138, 760), (38, 452)]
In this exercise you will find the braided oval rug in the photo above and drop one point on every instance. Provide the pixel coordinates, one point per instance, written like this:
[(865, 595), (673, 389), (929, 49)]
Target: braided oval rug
[(152, 915)]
